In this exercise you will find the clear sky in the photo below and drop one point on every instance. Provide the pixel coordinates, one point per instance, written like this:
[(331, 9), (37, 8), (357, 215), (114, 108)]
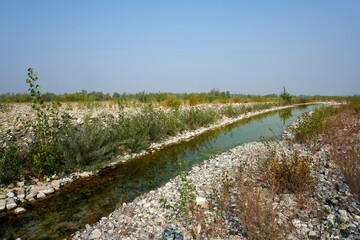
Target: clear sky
[(250, 47)]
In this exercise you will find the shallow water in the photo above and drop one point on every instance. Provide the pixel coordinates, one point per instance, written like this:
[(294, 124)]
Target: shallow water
[(86, 201)]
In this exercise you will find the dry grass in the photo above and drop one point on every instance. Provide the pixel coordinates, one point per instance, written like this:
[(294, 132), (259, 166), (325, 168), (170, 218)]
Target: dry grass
[(254, 205), (343, 135)]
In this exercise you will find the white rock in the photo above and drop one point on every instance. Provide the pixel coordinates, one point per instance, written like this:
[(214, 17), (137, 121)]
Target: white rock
[(202, 202), (96, 234), (11, 205), (49, 191), (85, 174), (2, 204), (31, 195), (56, 183), (40, 195), (19, 210), (10, 194)]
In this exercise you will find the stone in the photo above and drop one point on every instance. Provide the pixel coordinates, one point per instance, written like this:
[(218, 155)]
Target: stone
[(172, 233), (10, 194), (20, 192), (343, 215), (20, 184), (85, 174), (2, 204), (49, 191), (96, 234), (11, 205), (31, 195), (331, 218), (2, 195), (19, 210), (313, 235), (40, 195), (56, 183), (202, 202)]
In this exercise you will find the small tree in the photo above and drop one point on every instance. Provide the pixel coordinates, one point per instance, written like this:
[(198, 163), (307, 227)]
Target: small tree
[(286, 96)]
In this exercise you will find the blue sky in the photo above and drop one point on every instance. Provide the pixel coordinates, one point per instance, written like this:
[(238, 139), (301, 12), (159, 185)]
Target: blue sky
[(250, 47)]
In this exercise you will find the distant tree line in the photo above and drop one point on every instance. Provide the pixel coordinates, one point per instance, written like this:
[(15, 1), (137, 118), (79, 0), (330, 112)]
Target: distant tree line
[(214, 95)]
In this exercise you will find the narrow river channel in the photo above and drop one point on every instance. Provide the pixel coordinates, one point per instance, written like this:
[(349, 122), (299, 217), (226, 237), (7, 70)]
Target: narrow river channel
[(86, 201)]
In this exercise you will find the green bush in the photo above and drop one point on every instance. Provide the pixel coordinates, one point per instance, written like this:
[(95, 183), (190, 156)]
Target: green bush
[(309, 125), (285, 96), (194, 118), (92, 143), (11, 164)]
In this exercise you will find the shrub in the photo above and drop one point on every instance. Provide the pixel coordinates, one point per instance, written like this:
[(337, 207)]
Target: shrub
[(11, 163), (309, 125), (341, 133), (173, 102), (236, 100), (285, 96), (254, 206), (92, 143), (290, 174), (194, 99), (194, 118)]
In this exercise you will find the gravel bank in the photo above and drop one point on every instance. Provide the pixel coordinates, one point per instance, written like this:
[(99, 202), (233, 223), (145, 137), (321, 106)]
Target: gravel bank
[(331, 213)]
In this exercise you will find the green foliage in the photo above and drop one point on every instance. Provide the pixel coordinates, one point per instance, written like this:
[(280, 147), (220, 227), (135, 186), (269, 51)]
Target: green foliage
[(5, 108), (309, 125), (132, 132), (89, 144), (194, 118), (143, 97), (194, 99), (44, 151), (11, 163), (285, 96), (160, 97)]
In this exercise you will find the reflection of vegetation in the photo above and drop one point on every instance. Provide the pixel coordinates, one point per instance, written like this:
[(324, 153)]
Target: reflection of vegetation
[(285, 115)]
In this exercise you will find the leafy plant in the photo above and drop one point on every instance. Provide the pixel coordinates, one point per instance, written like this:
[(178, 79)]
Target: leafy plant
[(285, 96), (290, 174), (44, 151), (11, 163), (87, 145)]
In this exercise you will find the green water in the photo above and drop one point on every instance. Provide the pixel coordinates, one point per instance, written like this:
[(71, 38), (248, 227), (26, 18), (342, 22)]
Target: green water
[(86, 201)]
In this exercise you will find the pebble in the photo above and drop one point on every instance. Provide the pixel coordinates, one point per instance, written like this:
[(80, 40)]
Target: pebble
[(11, 205), (19, 210), (40, 195)]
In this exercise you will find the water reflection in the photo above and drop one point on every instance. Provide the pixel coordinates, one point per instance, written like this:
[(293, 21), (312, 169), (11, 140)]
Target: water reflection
[(285, 115), (88, 201)]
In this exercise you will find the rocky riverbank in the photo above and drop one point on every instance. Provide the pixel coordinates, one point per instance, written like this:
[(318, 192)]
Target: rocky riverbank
[(330, 212), (13, 195)]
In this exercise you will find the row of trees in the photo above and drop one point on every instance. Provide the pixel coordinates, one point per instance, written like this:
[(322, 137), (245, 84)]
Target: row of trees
[(143, 96)]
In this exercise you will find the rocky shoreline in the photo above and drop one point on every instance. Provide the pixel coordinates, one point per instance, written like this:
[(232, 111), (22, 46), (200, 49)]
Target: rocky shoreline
[(13, 195), (331, 213)]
